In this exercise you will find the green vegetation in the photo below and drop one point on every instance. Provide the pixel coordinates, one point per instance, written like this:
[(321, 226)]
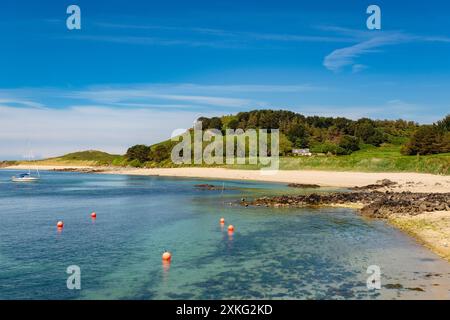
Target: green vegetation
[(102, 158), (336, 143), (386, 158), (7, 163), (431, 139), (83, 158)]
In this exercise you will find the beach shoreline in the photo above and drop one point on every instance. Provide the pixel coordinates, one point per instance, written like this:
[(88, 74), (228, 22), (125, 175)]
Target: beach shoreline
[(405, 181), (432, 229)]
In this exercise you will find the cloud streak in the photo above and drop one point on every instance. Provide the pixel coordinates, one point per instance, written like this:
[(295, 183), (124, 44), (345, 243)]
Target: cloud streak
[(370, 42), (170, 96), (238, 36), (340, 58), (57, 131), (361, 41)]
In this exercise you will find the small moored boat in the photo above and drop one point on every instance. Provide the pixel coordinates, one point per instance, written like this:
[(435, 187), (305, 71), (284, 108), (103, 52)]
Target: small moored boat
[(24, 177), (27, 177)]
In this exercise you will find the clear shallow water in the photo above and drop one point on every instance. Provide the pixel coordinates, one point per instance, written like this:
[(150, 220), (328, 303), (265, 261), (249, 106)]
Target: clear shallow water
[(274, 253)]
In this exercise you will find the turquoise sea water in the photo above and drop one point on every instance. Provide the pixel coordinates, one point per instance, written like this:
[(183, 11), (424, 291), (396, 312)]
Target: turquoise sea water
[(273, 253)]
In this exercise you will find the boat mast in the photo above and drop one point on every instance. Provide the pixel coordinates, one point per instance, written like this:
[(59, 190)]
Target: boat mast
[(35, 166)]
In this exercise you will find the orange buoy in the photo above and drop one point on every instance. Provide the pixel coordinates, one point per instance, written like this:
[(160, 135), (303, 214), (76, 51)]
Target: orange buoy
[(222, 220), (231, 228), (93, 215), (166, 256), (60, 224)]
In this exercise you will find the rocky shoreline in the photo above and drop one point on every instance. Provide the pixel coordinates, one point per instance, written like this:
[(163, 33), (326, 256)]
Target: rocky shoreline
[(80, 170), (374, 200), (373, 204), (423, 215)]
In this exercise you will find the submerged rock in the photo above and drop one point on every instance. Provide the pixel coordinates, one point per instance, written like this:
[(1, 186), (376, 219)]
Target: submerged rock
[(303, 185), (393, 286), (206, 186)]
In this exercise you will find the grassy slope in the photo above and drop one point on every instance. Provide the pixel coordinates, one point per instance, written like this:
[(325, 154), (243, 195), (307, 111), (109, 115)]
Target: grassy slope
[(82, 158), (370, 159), (386, 158)]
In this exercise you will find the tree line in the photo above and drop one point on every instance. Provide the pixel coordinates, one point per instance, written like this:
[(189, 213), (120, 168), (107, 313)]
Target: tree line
[(336, 136)]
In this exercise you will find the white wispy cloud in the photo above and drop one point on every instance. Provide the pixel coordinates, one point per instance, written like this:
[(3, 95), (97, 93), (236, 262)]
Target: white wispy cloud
[(244, 88), (397, 110), (238, 36), (54, 132), (340, 58), (369, 42), (149, 40), (113, 117), (190, 94), (21, 103), (356, 68), (150, 94), (361, 41)]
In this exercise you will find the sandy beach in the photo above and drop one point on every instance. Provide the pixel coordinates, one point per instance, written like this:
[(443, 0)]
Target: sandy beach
[(414, 182), (432, 229)]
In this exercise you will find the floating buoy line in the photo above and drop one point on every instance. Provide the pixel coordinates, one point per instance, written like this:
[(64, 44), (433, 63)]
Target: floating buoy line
[(166, 256)]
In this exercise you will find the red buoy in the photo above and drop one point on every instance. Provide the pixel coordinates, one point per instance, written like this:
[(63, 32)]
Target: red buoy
[(60, 224), (166, 256), (93, 215), (231, 228), (222, 221)]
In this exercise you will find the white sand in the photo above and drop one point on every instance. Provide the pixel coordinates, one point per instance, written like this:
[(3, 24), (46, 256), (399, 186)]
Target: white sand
[(415, 182)]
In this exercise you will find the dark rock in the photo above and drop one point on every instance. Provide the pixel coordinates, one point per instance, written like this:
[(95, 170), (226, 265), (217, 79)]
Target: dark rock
[(303, 185), (393, 286), (209, 187), (379, 184), (416, 289), (375, 204)]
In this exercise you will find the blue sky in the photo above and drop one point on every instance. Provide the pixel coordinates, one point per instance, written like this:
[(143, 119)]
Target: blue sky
[(137, 70)]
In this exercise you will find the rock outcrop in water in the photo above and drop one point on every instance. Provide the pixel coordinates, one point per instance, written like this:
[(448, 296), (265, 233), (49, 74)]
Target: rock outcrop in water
[(378, 185), (373, 204), (210, 187), (80, 170), (303, 185)]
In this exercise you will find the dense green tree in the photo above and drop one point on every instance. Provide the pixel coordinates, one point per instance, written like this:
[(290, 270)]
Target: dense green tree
[(159, 153), (138, 152), (349, 144), (376, 139), (214, 123), (366, 130), (444, 124), (205, 122), (427, 139), (298, 135)]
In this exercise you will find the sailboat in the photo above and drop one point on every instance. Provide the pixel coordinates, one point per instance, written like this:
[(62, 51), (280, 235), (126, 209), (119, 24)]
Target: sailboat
[(27, 177)]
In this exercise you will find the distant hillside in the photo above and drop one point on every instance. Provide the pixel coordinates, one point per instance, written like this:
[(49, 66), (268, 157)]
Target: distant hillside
[(84, 158), (90, 155), (336, 143)]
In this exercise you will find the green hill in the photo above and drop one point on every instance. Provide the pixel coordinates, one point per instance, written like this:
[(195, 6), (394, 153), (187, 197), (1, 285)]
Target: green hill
[(336, 143), (84, 158), (90, 155)]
